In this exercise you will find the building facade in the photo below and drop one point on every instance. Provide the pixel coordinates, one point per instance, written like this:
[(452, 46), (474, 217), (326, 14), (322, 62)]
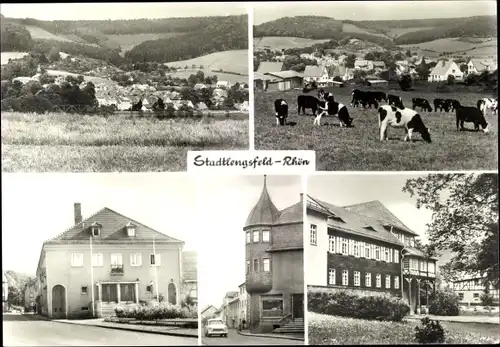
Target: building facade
[(366, 249), (189, 287), (104, 261), (244, 302), (30, 293), (470, 289), (274, 264)]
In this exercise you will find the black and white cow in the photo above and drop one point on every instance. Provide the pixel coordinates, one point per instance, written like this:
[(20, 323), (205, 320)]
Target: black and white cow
[(401, 118), (441, 104), (488, 104), (395, 101), (422, 103), (451, 103), (307, 101), (322, 94), (364, 98), (281, 108), (332, 108), (470, 114)]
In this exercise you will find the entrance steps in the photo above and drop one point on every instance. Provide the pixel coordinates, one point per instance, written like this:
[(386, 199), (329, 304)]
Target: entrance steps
[(295, 326)]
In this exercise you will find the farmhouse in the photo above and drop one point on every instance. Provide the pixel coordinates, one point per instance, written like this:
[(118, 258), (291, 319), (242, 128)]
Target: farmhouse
[(106, 260), (318, 74), (274, 264), (269, 66), (367, 249), (477, 66), (443, 69), (470, 288), (284, 80), (343, 72)]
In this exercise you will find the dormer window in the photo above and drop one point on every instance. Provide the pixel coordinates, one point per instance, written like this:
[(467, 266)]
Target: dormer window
[(131, 229), (369, 228), (95, 229), (337, 219)]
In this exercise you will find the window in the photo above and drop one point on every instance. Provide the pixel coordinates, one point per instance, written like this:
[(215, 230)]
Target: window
[(97, 259), (155, 259), (84, 290), (331, 243), (460, 296), (368, 279), (248, 266), (431, 267), (386, 252), (272, 305), (116, 259), (476, 295), (396, 282), (265, 236), (378, 280), (357, 278), (256, 265), (135, 259), (266, 265), (396, 255), (131, 230), (256, 236), (388, 281), (351, 248), (85, 308), (356, 248), (344, 246), (413, 264), (345, 278), (422, 266), (313, 237), (406, 263), (248, 237), (331, 276), (377, 252), (77, 259), (95, 231), (367, 250)]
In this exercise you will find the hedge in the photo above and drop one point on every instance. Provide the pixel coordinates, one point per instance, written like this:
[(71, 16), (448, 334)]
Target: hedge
[(156, 311), (342, 303)]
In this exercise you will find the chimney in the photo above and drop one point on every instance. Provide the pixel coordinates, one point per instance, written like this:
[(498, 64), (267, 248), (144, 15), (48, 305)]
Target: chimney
[(301, 197), (78, 212)]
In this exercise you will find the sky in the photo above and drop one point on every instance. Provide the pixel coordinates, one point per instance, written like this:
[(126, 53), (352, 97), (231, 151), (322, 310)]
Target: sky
[(37, 207), (100, 11), (349, 189), (373, 10), (224, 203)]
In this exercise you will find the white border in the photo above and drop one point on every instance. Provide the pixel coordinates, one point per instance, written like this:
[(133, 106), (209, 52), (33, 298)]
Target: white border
[(304, 255), (251, 117)]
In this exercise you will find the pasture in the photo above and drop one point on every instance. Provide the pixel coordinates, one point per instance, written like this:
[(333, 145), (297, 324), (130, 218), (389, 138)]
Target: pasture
[(233, 61), (283, 42), (452, 45), (360, 149), (396, 32), (127, 42), (83, 143)]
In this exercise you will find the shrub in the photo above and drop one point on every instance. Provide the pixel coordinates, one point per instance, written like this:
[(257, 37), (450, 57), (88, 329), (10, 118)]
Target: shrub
[(155, 311), (431, 331), (343, 303), (405, 82), (444, 304)]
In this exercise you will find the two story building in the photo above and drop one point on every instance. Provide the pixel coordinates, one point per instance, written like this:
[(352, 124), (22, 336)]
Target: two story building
[(106, 260), (365, 248), (470, 288), (274, 264), (243, 296)]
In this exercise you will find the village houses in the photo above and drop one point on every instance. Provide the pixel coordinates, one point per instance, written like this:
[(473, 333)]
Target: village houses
[(477, 66), (443, 69)]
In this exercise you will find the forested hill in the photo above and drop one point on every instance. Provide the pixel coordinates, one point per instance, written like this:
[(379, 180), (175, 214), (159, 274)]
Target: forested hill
[(419, 30)]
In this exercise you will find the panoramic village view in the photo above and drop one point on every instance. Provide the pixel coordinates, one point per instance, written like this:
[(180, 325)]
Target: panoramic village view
[(260, 300), (427, 66), (402, 259), (123, 95), (98, 261)]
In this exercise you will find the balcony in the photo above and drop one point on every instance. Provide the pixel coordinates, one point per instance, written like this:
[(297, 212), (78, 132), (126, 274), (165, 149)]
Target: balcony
[(117, 270), (419, 273)]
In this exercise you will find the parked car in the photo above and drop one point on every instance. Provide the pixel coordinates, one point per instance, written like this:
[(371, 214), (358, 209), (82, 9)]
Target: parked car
[(215, 326)]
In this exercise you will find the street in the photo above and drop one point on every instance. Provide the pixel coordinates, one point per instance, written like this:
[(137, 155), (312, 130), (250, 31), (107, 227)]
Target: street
[(233, 338), (19, 330)]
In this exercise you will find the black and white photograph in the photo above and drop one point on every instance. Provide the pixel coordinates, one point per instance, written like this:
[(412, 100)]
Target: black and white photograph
[(378, 86), (128, 87), (99, 260), (251, 274), (397, 258)]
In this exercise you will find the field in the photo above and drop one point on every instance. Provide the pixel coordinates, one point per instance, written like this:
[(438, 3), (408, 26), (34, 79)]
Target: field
[(233, 61), (127, 42), (64, 142), (39, 33), (360, 149), (452, 45), (396, 32), (351, 28), (332, 330), (5, 56), (283, 42)]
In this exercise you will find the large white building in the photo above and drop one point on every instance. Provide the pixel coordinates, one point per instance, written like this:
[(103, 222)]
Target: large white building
[(443, 69)]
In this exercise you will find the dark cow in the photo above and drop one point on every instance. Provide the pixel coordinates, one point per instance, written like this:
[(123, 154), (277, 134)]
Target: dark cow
[(281, 109), (451, 103), (470, 114), (401, 118), (395, 100), (488, 104), (422, 103), (333, 108), (364, 98), (307, 101), (137, 106), (380, 96), (441, 104)]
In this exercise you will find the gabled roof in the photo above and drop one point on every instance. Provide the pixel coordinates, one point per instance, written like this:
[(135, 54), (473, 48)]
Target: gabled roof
[(207, 308), (285, 74), (442, 67), (313, 71), (483, 64), (260, 76), (113, 230), (270, 66), (264, 212), (232, 294)]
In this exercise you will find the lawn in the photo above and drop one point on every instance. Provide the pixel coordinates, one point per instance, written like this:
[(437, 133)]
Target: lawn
[(333, 330), (359, 148), (64, 142)]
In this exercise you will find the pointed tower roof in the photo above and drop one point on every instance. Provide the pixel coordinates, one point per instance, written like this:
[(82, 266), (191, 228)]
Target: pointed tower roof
[(264, 212)]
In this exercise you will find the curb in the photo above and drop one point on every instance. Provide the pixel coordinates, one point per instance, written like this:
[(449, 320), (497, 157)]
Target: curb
[(124, 328), (453, 321), (271, 337)]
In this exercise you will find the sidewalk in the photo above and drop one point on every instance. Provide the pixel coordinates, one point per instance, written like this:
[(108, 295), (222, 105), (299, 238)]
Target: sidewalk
[(99, 322), (272, 336), (459, 319)]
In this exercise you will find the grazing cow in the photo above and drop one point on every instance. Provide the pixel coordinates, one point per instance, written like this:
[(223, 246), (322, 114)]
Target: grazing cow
[(281, 109), (399, 118), (451, 103), (380, 96), (395, 100), (470, 114), (322, 94), (363, 97), (422, 103), (488, 104), (333, 108), (307, 101), (441, 104)]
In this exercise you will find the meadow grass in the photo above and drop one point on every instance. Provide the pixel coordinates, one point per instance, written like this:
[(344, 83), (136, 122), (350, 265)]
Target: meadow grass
[(359, 148), (64, 142), (334, 330)]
